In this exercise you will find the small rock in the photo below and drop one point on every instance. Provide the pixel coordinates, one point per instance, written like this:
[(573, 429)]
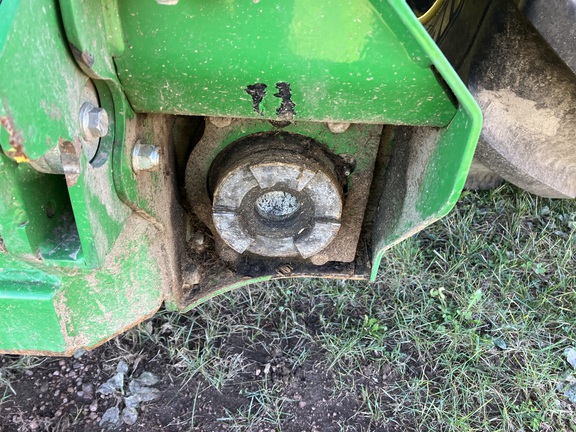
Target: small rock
[(88, 390), (58, 413), (94, 406), (57, 393), (56, 373), (79, 353), (93, 415), (302, 404), (80, 394), (62, 362), (70, 389), (29, 372)]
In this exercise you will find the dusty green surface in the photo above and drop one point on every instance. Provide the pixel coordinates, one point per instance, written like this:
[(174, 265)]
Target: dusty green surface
[(199, 58)]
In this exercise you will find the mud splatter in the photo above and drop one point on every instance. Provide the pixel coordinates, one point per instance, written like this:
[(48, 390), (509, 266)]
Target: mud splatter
[(83, 57)]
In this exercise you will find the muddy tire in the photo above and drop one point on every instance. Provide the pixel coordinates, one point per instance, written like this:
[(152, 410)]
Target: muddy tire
[(481, 177)]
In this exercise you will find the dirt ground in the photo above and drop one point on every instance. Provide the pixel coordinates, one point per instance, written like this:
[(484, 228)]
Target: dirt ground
[(65, 393)]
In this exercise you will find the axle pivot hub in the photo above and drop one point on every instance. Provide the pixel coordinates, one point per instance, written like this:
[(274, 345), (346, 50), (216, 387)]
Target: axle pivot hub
[(277, 199)]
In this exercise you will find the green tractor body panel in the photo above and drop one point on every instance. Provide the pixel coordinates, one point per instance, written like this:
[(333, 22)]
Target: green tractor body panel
[(344, 60), (93, 244)]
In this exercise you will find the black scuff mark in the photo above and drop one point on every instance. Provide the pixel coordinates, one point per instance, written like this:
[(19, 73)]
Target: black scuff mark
[(286, 110), (257, 91)]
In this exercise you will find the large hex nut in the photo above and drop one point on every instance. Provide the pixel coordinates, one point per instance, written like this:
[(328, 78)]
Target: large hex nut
[(278, 205)]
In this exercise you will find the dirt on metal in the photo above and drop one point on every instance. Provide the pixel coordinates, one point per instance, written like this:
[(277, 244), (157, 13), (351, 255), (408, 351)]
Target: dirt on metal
[(218, 268)]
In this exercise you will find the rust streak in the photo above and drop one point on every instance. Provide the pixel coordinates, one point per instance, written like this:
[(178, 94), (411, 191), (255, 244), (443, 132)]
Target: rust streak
[(14, 137), (15, 140)]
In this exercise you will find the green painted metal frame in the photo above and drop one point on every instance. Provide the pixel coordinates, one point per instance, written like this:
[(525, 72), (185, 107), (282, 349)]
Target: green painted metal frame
[(345, 60), (84, 257), (77, 266), (442, 176)]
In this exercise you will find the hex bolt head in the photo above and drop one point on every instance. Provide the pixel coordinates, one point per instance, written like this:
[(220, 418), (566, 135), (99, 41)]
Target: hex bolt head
[(93, 121), (338, 127), (145, 157)]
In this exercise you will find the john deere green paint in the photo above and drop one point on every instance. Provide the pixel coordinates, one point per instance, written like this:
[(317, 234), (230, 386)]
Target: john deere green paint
[(344, 60), (282, 98)]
